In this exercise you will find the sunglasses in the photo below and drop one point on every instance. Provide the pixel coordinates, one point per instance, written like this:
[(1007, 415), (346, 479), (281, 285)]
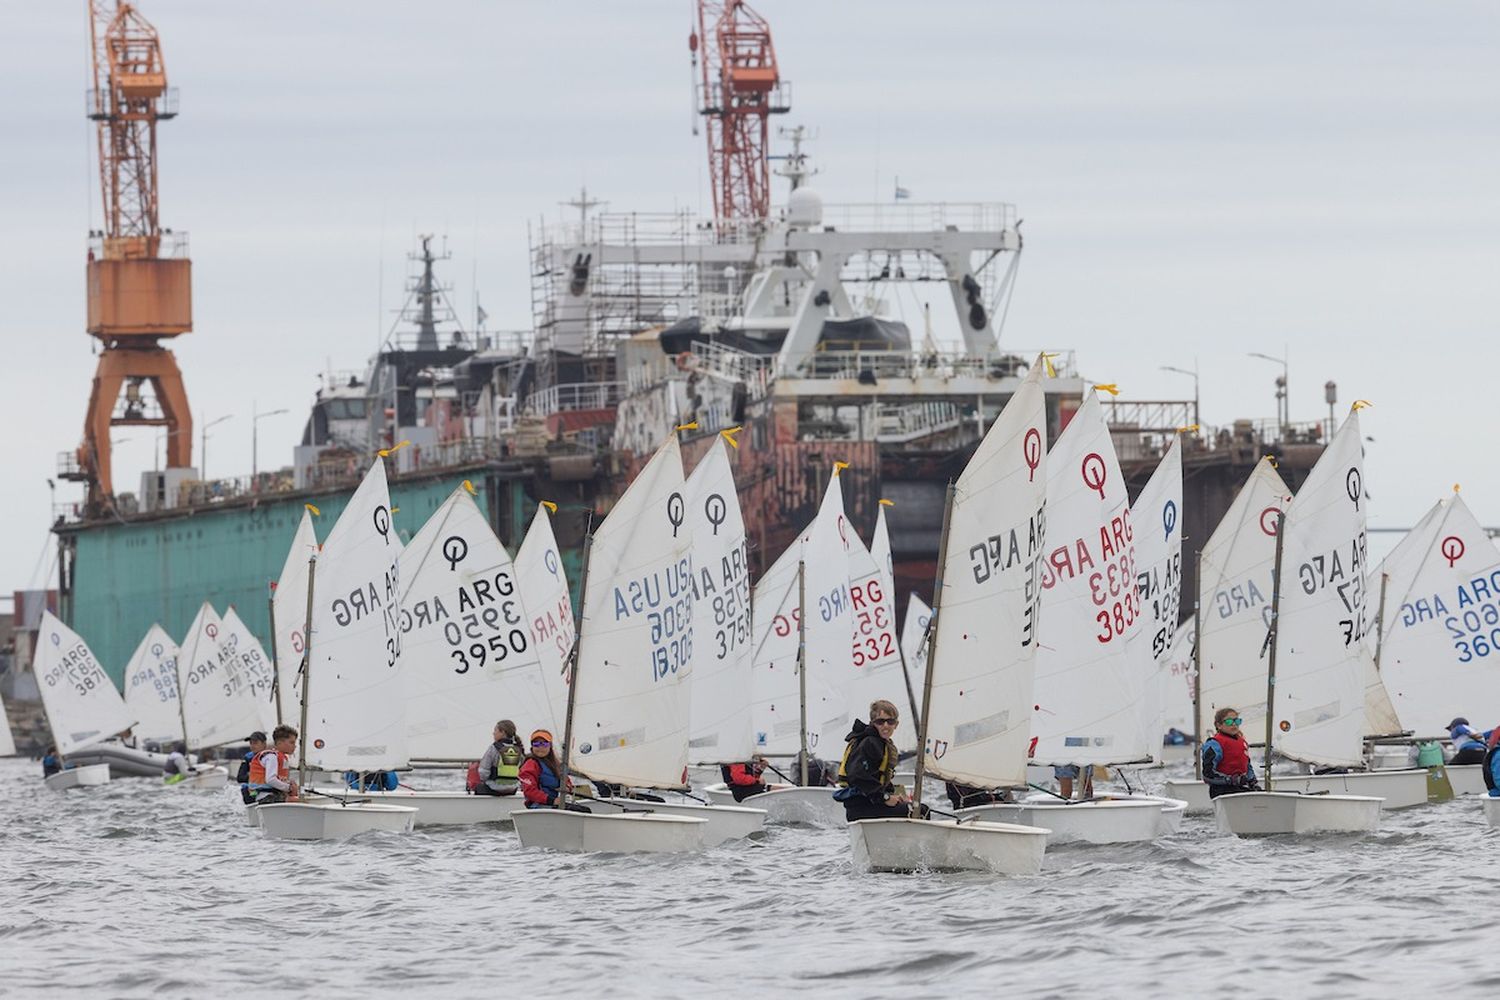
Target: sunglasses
[(884, 722), (541, 743), (1233, 720)]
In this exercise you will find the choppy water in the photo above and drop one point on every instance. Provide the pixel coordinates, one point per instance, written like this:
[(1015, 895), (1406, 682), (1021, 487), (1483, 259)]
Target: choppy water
[(134, 890)]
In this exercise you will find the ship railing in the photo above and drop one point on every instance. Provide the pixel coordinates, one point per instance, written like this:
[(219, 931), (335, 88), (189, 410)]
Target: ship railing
[(574, 396), (867, 365), (902, 422), (920, 217), (755, 370)]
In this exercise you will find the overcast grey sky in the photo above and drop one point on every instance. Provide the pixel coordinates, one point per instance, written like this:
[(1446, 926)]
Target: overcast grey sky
[(1197, 179)]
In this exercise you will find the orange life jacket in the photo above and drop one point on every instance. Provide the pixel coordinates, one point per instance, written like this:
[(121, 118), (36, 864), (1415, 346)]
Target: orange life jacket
[(258, 768)]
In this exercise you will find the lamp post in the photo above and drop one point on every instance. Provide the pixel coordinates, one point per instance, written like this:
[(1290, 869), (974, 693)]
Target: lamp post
[(255, 419), (1331, 396), (203, 451), (1283, 398), (1194, 374)]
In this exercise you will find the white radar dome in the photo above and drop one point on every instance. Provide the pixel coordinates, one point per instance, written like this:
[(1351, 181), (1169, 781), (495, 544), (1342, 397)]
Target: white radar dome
[(804, 208)]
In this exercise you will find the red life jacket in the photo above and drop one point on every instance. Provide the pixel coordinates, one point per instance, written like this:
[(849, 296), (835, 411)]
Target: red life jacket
[(1236, 754), (739, 774)]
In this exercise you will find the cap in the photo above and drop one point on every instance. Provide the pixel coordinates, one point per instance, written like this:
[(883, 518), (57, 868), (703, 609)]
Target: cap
[(541, 734), (1460, 721), (257, 735)]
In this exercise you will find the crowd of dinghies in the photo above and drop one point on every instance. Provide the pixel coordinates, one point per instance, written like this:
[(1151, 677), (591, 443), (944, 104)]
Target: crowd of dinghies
[(1053, 641)]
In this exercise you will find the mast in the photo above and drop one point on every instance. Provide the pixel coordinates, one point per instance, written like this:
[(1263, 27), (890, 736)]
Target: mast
[(1275, 633), (1198, 666), (1385, 578), (937, 603), (572, 671), (307, 646), (275, 660), (181, 704), (802, 665)]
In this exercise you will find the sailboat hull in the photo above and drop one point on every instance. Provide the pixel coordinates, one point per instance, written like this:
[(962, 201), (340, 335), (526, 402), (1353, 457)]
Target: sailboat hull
[(1096, 821), (725, 822), (87, 776), (1397, 789), (331, 820), (905, 845), (440, 808), (623, 833), (1194, 793), (203, 777), (1492, 812), (787, 804), (1267, 814), (1467, 779)]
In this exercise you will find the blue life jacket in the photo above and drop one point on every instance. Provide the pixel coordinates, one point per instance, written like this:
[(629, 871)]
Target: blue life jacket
[(1492, 771), (548, 783)]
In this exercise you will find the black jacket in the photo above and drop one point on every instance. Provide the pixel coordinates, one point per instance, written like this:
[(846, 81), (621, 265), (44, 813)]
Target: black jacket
[(869, 762)]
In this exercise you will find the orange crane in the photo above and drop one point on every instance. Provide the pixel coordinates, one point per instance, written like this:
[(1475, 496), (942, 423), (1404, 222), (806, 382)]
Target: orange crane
[(139, 277), (741, 89)]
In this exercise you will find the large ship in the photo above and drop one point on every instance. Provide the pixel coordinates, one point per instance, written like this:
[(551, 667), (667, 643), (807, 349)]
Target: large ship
[(864, 334)]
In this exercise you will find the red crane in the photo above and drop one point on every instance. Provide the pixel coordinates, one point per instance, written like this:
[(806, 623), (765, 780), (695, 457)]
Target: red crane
[(741, 90), (139, 277)]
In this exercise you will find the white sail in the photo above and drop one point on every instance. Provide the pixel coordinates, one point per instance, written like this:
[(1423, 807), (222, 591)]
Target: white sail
[(82, 706), (218, 703), (1321, 657), (1440, 651), (979, 716), (721, 729), (635, 648), (289, 604), (467, 659), (549, 610), (913, 639), (7, 740), (254, 666), (1089, 689), (776, 686), (1157, 518), (151, 689), (355, 712), (1177, 686), (1235, 572), (876, 652)]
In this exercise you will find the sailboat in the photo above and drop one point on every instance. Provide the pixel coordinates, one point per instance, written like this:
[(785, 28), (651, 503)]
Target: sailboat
[(1436, 650), (719, 698), (802, 665), (976, 690), (1178, 672), (1316, 660), (254, 666), (627, 714), (467, 657), (217, 703), (289, 617), (151, 689), (1094, 674), (83, 708), (350, 697), (877, 655), (549, 609)]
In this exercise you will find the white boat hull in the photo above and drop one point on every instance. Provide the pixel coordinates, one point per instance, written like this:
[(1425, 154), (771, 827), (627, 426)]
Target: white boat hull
[(1095, 821), (1266, 814), (1172, 811), (1467, 779), (87, 776), (331, 820), (203, 777), (904, 845), (1194, 793), (1492, 812), (725, 822), (440, 808), (1398, 789), (621, 833), (814, 806)]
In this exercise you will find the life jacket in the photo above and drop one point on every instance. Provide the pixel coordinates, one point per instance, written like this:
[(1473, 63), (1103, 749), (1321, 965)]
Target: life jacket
[(258, 768), (1491, 761), (738, 774), (508, 764), (887, 763), (471, 780), (1234, 754)]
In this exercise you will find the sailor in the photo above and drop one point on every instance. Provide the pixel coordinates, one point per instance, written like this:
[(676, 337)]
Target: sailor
[(1226, 757), (176, 767), (372, 781), (257, 741), (270, 770), (500, 767), (964, 796), (1468, 742), (127, 738), (541, 776), (1492, 764), (52, 762), (744, 780), (1065, 775), (868, 770)]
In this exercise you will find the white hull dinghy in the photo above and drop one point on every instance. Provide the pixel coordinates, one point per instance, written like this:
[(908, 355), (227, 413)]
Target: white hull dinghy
[(1092, 821), (203, 776), (1172, 811), (1194, 793), (1267, 814), (1396, 789), (1492, 812), (87, 776), (1467, 779), (787, 804), (725, 822), (905, 845), (331, 820), (440, 808), (622, 833)]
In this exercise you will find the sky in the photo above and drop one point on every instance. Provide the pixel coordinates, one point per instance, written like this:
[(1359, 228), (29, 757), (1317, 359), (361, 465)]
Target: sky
[(1198, 180)]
